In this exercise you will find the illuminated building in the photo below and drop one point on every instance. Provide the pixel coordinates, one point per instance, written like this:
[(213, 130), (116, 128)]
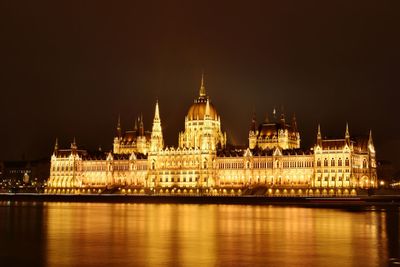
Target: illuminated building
[(273, 164)]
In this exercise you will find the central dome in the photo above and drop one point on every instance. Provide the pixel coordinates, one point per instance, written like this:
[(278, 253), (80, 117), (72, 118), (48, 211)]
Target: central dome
[(198, 109)]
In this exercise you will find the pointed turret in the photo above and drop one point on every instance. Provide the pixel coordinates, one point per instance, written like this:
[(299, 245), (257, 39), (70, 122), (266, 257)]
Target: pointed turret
[(157, 112), (370, 141), (135, 128), (74, 147), (266, 120), (141, 126), (207, 113), (319, 136), (253, 122), (157, 141), (202, 92), (119, 130), (294, 123), (56, 147), (253, 132), (347, 134), (283, 120)]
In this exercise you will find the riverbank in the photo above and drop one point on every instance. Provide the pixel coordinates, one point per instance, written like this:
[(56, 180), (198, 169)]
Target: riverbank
[(375, 200)]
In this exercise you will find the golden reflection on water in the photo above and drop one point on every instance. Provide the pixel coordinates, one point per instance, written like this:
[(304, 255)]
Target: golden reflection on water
[(212, 235)]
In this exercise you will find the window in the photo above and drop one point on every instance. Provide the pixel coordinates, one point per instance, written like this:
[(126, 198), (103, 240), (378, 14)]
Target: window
[(347, 162), (325, 162), (332, 162), (364, 163), (340, 163)]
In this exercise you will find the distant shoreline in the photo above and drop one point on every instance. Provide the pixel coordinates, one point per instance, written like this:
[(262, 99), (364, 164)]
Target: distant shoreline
[(355, 201)]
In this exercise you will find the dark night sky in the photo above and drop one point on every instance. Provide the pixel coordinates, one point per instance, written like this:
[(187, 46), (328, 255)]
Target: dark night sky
[(68, 68)]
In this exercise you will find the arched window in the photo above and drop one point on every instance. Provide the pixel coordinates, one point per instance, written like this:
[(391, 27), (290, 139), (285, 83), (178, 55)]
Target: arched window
[(347, 162), (318, 163), (325, 162), (340, 163), (332, 162), (364, 163)]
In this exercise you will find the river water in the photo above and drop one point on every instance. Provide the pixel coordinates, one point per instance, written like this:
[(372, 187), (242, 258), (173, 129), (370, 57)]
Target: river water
[(99, 234)]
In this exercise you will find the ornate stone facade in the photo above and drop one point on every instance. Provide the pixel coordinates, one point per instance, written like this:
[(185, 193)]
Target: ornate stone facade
[(203, 163)]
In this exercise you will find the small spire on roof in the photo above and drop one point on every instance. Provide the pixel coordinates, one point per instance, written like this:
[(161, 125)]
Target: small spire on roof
[(56, 145), (294, 122), (202, 87), (157, 112), (119, 126), (73, 145), (370, 140), (266, 120), (347, 134), (141, 125), (135, 128), (207, 115), (319, 136), (253, 121)]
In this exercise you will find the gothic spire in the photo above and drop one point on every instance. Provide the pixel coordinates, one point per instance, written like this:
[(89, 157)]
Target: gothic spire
[(207, 114), (119, 126), (157, 141), (136, 121), (266, 120), (141, 126), (370, 140), (347, 134), (254, 122), (73, 145), (202, 87), (294, 122), (56, 146), (157, 112), (319, 136)]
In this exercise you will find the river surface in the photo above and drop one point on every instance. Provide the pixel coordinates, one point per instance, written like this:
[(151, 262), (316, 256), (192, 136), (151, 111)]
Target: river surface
[(98, 234)]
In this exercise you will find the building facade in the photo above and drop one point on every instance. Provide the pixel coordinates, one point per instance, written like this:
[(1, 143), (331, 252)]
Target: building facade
[(203, 163)]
